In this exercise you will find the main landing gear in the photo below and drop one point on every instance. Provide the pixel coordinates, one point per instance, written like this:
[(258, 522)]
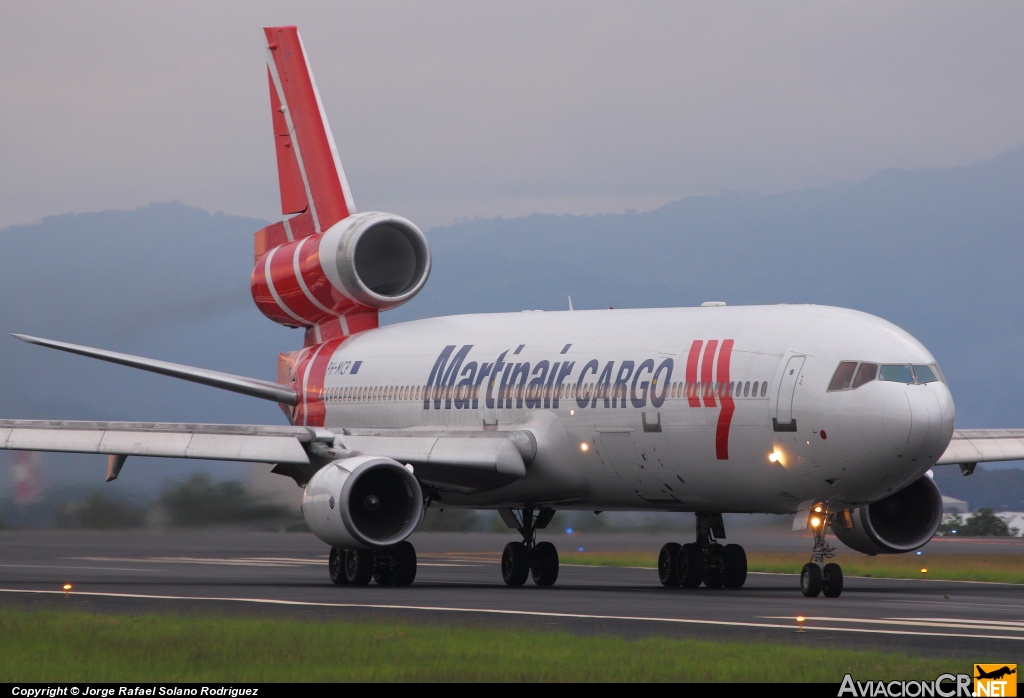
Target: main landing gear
[(520, 560), (706, 561), (394, 565), (817, 577)]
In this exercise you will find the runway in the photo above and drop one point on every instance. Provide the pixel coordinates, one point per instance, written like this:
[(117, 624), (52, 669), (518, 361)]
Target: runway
[(459, 581)]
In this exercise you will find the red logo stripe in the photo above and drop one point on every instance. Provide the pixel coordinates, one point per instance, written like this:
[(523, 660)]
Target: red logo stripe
[(691, 372), (728, 406), (707, 372)]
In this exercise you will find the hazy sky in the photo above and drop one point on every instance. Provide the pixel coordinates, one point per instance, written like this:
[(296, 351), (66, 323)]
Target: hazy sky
[(444, 110)]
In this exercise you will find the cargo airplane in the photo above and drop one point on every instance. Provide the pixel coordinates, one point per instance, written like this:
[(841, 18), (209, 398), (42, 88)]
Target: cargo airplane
[(831, 415)]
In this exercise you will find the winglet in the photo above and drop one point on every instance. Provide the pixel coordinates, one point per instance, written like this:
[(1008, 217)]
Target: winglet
[(309, 169)]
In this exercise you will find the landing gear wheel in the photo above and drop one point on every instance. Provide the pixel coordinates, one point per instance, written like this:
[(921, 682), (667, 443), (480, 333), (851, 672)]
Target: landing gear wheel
[(358, 566), (810, 580), (832, 584), (667, 573), (544, 564), (403, 564), (714, 567), (336, 566), (735, 559), (515, 564), (690, 566)]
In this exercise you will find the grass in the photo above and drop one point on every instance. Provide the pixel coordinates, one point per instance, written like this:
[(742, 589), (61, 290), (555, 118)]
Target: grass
[(966, 567), (65, 646)]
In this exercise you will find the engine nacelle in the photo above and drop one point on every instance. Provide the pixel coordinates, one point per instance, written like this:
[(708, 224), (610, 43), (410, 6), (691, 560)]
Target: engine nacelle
[(900, 523), (368, 261), (363, 502)]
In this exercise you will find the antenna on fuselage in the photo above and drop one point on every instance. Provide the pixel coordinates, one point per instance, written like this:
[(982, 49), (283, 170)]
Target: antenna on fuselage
[(570, 303)]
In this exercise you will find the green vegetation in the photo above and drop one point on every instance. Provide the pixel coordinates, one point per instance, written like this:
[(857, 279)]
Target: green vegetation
[(983, 522), (966, 567), (55, 645), (199, 501)]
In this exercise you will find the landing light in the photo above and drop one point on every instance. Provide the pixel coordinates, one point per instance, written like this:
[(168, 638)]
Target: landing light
[(584, 446), (776, 457), (815, 521)]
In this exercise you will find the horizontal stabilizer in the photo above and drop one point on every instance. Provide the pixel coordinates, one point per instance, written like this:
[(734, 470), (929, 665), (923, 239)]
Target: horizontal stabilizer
[(253, 387)]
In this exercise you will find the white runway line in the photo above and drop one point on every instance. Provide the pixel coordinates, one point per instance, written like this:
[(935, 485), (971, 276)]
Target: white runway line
[(923, 622), (808, 627)]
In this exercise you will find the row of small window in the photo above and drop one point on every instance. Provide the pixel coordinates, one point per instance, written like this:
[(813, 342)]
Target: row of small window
[(539, 392), (850, 375)]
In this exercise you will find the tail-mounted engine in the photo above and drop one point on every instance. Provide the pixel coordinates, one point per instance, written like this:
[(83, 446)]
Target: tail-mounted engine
[(363, 502), (900, 523), (365, 262)]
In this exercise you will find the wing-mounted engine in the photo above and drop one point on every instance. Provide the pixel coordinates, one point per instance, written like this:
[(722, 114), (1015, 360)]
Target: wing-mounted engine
[(900, 523), (363, 502), (362, 264)]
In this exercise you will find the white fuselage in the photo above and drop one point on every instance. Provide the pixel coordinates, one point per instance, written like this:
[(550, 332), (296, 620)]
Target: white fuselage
[(720, 409)]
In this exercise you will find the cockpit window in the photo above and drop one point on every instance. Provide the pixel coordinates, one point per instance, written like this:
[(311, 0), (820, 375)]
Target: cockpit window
[(843, 376), (851, 375), (925, 374), (865, 374), (897, 373)]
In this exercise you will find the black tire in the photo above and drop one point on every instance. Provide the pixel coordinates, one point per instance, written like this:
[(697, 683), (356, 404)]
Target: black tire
[(359, 567), (832, 582), (403, 564), (515, 564), (810, 580), (336, 567), (714, 567), (735, 566), (667, 573), (544, 565), (690, 566)]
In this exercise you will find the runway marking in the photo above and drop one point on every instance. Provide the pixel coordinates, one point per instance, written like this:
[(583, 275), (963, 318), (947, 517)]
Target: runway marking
[(80, 567), (1010, 623), (238, 562), (808, 627), (235, 561), (923, 622)]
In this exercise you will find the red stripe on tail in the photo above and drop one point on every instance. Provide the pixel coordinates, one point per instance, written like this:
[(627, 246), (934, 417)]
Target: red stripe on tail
[(307, 148)]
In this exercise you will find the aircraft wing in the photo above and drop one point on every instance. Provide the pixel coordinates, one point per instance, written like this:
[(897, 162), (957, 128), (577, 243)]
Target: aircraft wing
[(972, 446), (448, 460)]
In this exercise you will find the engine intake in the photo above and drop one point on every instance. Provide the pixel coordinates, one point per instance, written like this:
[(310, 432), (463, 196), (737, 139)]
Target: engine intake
[(362, 502), (900, 523), (368, 261)]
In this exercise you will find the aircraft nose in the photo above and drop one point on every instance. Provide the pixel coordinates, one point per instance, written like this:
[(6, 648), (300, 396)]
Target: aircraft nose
[(919, 420)]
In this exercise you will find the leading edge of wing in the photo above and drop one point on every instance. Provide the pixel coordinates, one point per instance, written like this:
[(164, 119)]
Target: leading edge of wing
[(983, 446), (235, 442), (253, 387), (452, 460)]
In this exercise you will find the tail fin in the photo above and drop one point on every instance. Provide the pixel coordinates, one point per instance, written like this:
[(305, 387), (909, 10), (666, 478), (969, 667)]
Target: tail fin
[(309, 169)]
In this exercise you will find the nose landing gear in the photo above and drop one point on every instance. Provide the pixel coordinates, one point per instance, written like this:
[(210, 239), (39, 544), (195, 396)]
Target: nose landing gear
[(705, 561), (817, 576), (529, 558)]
